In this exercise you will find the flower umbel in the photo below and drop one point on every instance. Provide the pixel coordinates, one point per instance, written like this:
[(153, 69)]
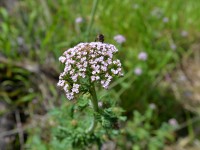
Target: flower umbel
[(87, 63)]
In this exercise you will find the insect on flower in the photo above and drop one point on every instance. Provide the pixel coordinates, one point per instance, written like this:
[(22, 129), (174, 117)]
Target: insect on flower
[(99, 38)]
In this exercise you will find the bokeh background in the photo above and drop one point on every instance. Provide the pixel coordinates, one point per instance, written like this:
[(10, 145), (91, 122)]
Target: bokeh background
[(159, 47)]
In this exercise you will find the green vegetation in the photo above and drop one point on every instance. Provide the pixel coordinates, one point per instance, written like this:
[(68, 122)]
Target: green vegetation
[(33, 34)]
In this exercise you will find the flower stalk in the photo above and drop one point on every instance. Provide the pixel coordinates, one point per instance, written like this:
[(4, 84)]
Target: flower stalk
[(94, 7), (95, 107), (94, 98)]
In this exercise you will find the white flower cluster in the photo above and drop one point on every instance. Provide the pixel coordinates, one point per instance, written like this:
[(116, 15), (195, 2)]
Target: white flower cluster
[(88, 60)]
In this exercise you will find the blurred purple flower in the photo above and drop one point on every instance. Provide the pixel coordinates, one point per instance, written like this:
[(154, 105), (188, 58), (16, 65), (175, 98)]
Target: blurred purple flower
[(173, 122), (119, 39), (142, 56), (173, 46), (165, 20), (79, 20), (167, 77), (138, 71), (184, 33)]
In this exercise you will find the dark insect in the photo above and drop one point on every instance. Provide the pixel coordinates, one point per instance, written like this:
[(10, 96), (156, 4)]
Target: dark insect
[(99, 38)]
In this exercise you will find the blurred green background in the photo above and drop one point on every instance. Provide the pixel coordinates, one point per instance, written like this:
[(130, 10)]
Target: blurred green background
[(33, 34)]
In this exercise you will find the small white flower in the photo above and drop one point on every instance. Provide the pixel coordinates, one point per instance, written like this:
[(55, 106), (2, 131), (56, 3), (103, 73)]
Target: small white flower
[(62, 59), (75, 88), (93, 72), (62, 75), (102, 82), (71, 72), (93, 78), (61, 83), (67, 68), (66, 87), (83, 59), (97, 78), (100, 104), (70, 96), (152, 106), (82, 75), (85, 64), (104, 68), (114, 71), (74, 77)]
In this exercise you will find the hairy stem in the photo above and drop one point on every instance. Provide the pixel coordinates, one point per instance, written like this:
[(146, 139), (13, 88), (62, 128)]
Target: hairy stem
[(95, 107)]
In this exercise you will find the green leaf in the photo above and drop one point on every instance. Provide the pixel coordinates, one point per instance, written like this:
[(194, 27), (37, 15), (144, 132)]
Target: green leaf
[(26, 98)]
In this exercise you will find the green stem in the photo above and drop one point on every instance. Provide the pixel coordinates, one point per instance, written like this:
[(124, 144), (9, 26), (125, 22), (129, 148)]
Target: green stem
[(95, 107), (94, 98), (94, 7)]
